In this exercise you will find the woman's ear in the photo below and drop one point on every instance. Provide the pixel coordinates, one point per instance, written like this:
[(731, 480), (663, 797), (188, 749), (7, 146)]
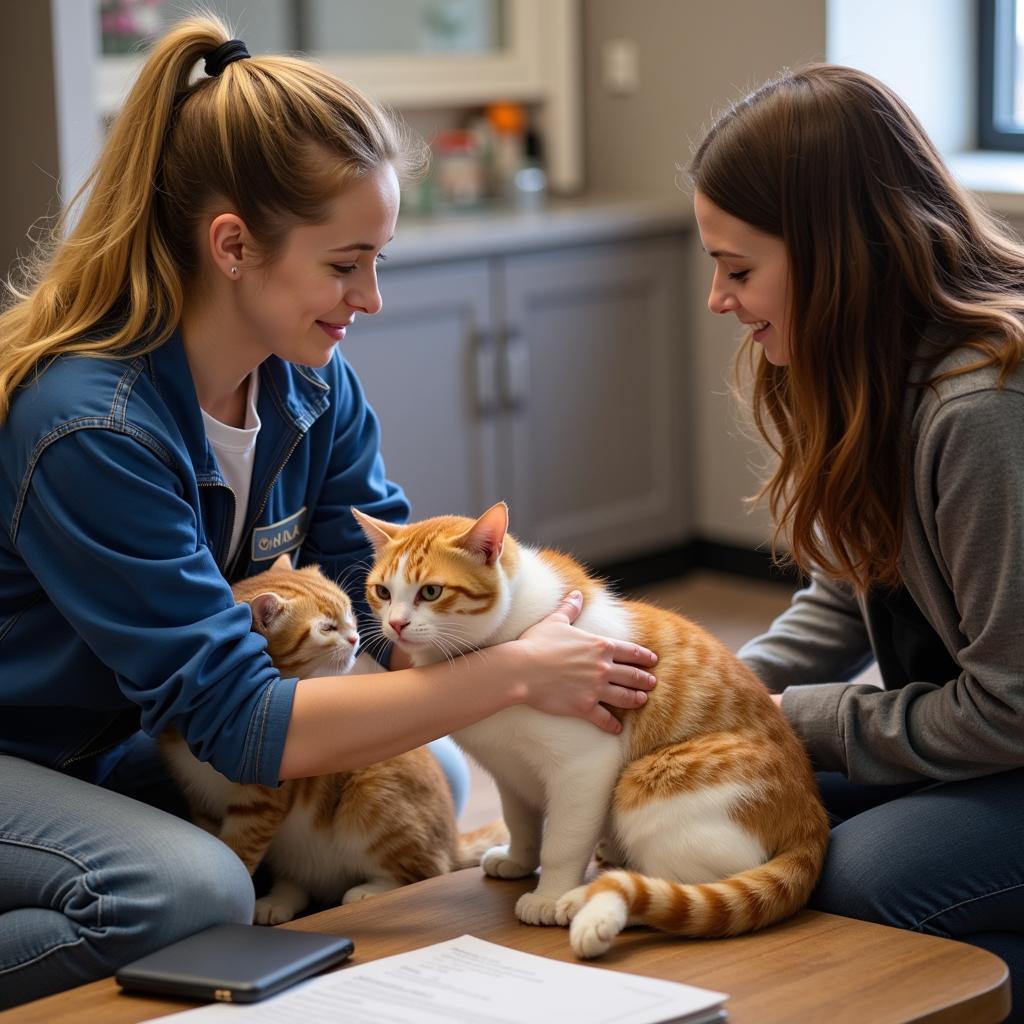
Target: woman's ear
[(229, 242)]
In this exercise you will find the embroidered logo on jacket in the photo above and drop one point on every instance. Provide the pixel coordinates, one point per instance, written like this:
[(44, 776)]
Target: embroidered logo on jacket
[(277, 538)]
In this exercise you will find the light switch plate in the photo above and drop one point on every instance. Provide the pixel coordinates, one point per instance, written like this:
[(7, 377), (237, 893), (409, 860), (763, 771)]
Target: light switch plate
[(620, 63)]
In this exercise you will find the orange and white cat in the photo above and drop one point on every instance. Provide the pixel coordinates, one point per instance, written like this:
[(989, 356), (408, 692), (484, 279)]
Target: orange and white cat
[(342, 836), (706, 798)]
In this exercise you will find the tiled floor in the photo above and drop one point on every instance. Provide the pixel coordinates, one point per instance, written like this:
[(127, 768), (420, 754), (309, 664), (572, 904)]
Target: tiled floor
[(734, 609)]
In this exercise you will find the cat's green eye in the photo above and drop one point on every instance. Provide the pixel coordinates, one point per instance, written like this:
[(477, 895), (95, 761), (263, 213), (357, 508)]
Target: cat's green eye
[(430, 592), (383, 594)]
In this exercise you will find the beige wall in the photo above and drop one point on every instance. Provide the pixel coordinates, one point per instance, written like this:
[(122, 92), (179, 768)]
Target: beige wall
[(695, 56)]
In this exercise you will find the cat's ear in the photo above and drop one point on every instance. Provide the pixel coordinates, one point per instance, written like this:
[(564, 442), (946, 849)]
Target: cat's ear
[(265, 608), (378, 533), (282, 562), (486, 536)]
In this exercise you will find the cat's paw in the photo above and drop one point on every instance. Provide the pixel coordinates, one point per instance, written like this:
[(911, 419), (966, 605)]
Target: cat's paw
[(569, 905), (284, 901), (532, 908), (269, 911), (364, 892), (596, 924), (497, 863)]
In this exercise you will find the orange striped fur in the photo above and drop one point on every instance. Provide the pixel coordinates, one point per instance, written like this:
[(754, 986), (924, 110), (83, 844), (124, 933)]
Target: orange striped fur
[(706, 802), (342, 836)]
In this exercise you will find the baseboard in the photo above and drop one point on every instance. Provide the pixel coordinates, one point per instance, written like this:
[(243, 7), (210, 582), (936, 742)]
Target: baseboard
[(753, 563), (669, 563)]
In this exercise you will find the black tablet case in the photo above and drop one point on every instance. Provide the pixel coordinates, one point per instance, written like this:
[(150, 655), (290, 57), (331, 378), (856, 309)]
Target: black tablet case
[(234, 963)]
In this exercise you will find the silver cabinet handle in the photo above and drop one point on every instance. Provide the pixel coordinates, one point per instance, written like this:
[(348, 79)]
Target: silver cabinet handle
[(485, 357), (515, 376)]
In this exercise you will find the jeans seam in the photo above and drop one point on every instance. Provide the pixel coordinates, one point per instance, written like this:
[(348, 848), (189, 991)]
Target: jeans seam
[(41, 956), (13, 840), (964, 903)]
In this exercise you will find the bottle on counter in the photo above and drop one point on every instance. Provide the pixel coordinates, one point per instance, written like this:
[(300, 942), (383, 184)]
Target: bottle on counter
[(508, 148), (530, 182), (459, 170)]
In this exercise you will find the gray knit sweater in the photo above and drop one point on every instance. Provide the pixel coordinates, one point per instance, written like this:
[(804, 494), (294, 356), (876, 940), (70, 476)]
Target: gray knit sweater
[(963, 564)]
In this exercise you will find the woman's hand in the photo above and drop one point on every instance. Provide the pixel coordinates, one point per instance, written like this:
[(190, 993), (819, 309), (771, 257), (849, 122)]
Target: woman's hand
[(571, 672)]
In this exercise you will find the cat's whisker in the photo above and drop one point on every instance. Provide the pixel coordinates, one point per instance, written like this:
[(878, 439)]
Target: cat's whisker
[(451, 630), (464, 645), (457, 644), (378, 637), (354, 569), (439, 644), (374, 645), (377, 645)]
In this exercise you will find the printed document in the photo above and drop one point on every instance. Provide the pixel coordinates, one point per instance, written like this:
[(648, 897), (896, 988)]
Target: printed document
[(470, 981)]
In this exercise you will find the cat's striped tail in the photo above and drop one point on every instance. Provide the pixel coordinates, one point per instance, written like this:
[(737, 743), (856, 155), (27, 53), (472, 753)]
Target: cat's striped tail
[(743, 903), (473, 845)]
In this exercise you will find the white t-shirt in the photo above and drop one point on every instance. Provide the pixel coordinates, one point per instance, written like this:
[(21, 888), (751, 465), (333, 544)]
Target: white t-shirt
[(235, 449)]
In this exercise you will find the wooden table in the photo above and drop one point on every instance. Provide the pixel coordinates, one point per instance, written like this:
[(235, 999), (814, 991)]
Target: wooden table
[(812, 968)]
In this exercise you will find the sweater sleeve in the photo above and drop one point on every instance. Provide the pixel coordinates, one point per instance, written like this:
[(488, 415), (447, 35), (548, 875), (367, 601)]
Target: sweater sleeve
[(969, 474), (819, 638)]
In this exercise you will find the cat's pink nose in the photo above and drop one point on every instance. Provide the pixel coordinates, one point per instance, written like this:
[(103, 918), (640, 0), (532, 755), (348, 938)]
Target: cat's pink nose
[(352, 639), (398, 625)]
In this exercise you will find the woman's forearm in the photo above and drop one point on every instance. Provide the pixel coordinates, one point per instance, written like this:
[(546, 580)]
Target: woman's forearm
[(344, 722)]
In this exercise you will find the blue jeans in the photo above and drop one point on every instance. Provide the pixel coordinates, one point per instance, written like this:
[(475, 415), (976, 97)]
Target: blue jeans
[(94, 876), (942, 858)]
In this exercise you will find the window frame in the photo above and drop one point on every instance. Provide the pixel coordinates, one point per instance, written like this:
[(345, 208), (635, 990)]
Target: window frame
[(996, 40)]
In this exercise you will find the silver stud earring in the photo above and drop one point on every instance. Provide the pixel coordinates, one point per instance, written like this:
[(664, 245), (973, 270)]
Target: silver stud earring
[(234, 270)]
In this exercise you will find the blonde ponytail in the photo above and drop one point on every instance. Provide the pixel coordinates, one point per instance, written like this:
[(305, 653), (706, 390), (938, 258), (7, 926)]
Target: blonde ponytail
[(254, 138)]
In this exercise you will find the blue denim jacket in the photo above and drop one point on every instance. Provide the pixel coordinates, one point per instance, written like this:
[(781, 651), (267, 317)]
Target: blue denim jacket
[(115, 610)]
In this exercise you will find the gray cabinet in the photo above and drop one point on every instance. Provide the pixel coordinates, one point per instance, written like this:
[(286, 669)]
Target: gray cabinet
[(420, 364), (547, 379)]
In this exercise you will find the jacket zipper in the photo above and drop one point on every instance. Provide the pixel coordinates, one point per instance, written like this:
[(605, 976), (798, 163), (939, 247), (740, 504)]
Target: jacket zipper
[(86, 750), (91, 753), (234, 512)]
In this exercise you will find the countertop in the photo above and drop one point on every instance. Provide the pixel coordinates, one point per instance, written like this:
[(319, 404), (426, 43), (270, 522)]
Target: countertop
[(500, 231), (561, 222)]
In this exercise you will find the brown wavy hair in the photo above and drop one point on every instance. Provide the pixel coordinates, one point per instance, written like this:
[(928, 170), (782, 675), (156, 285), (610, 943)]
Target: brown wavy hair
[(891, 264), (274, 138)]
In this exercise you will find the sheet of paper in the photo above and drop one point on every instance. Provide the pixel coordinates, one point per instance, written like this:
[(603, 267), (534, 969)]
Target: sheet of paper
[(470, 981)]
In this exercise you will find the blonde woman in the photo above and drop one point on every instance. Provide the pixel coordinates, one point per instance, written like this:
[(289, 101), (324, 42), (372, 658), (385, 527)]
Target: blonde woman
[(174, 413), (886, 316)]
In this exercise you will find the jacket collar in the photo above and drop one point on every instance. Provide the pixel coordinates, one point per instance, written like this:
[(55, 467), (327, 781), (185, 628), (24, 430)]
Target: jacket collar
[(291, 399)]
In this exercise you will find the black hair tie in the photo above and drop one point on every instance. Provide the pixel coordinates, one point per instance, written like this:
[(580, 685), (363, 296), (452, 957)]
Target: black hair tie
[(227, 53)]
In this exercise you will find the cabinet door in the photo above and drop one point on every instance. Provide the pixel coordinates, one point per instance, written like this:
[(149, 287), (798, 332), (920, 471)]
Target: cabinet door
[(597, 447), (426, 363)]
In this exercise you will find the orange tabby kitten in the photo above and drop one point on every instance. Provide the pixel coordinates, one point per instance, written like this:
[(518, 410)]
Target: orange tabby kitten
[(355, 833), (706, 798)]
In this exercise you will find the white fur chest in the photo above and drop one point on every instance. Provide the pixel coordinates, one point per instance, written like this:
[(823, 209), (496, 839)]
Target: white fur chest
[(527, 750), (324, 861), (537, 590), (531, 752)]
